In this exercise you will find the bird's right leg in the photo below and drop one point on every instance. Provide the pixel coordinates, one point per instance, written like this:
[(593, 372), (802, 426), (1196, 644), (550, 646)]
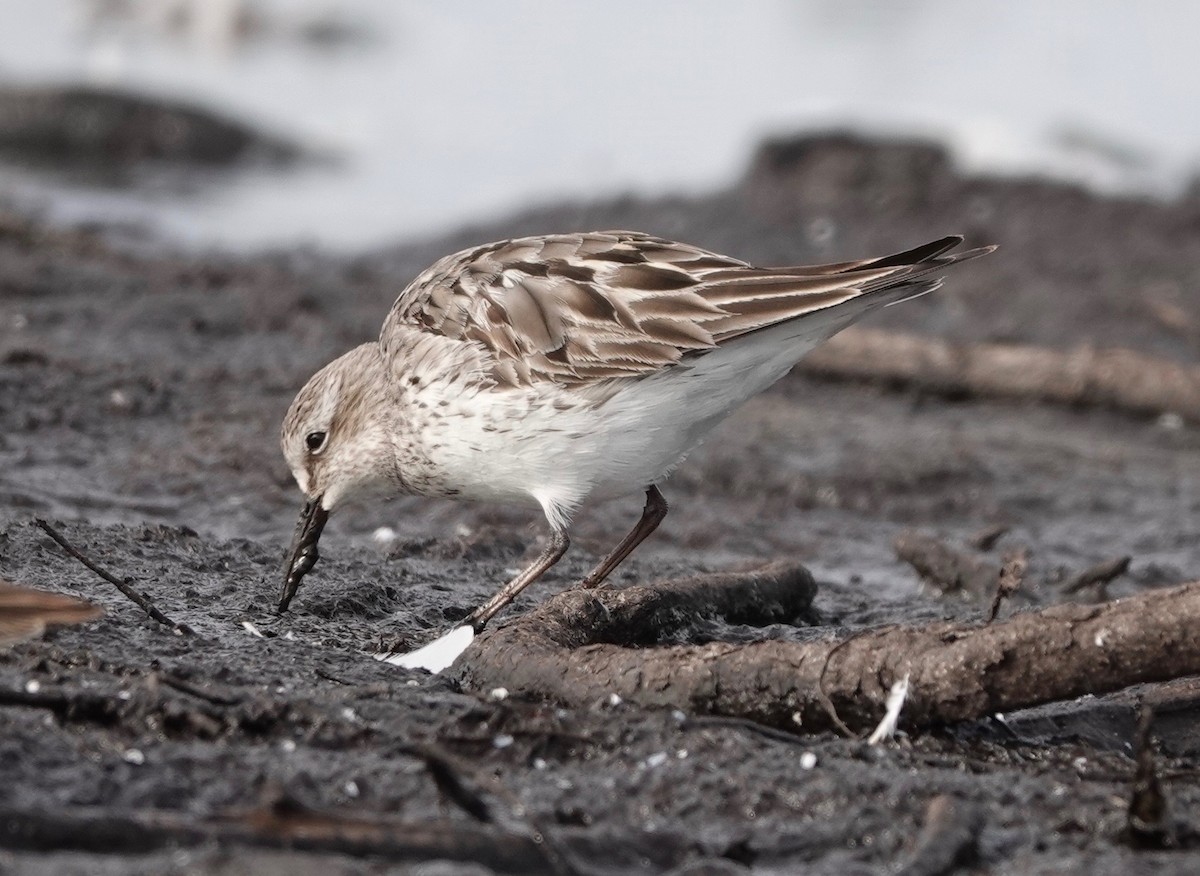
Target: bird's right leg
[(652, 515)]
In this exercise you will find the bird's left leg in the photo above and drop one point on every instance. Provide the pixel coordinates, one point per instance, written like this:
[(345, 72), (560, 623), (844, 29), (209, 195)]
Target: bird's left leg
[(552, 554), (652, 515)]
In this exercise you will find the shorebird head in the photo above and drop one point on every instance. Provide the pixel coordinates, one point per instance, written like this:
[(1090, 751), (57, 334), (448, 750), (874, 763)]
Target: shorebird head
[(336, 442)]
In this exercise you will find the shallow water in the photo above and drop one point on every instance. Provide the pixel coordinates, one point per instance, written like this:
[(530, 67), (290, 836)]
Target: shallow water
[(452, 112)]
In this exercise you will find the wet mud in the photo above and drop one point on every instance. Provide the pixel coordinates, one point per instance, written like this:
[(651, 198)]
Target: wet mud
[(141, 390)]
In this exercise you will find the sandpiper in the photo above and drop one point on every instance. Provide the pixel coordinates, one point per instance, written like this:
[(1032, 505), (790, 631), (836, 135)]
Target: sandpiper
[(552, 370)]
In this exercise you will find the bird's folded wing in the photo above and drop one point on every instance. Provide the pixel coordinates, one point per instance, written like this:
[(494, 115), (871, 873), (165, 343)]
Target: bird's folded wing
[(577, 309)]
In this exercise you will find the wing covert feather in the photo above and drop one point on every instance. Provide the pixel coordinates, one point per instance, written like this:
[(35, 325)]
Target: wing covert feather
[(577, 309)]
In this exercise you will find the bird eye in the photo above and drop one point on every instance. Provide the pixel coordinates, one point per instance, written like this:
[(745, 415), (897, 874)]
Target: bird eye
[(315, 441)]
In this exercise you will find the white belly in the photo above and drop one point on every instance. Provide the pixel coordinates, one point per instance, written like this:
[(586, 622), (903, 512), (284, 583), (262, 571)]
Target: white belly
[(550, 448)]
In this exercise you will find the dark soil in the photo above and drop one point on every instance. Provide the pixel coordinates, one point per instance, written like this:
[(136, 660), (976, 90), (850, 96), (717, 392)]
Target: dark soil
[(140, 395)]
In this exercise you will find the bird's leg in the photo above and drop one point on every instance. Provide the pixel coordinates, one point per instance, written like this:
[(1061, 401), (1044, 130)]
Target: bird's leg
[(652, 515), (552, 554)]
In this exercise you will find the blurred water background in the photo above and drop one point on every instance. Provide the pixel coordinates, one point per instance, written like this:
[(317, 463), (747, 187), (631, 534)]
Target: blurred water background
[(422, 116)]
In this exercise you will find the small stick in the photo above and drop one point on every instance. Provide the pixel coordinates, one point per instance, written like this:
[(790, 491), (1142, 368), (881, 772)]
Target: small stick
[(947, 569), (200, 691), (141, 601), (444, 771), (1012, 575), (986, 538), (1101, 574), (949, 839), (448, 772), (1148, 820)]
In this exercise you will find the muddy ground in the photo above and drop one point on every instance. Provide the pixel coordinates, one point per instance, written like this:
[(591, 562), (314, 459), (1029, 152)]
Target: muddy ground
[(140, 394)]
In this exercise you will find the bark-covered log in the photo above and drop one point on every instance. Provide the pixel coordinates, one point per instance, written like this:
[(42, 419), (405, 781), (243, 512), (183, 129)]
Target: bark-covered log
[(581, 647), (1121, 379)]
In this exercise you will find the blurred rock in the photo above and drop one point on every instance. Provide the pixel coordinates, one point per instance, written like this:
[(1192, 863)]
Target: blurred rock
[(795, 176), (86, 127)]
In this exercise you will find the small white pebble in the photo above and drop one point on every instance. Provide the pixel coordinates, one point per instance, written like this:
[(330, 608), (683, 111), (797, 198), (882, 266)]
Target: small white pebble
[(656, 760), (1079, 763), (678, 717), (249, 627), (463, 531), (349, 714), (412, 682), (808, 760), (290, 636), (539, 763), (614, 700), (1101, 638), (384, 535), (681, 754), (119, 400), (33, 686), (125, 695), (1170, 421), (499, 693), (501, 740), (134, 757), (351, 788), (288, 745)]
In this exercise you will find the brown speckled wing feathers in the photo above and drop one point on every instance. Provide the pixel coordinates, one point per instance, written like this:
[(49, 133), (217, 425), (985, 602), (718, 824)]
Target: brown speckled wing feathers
[(580, 308)]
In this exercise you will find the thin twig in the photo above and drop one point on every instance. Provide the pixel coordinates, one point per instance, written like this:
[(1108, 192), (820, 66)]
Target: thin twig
[(702, 722), (449, 772), (1101, 574), (200, 691), (123, 585), (1148, 821), (949, 838), (446, 773)]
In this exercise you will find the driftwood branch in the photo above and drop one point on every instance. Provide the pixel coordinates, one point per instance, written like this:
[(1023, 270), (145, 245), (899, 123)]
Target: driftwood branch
[(1114, 378), (288, 825), (277, 828), (581, 647)]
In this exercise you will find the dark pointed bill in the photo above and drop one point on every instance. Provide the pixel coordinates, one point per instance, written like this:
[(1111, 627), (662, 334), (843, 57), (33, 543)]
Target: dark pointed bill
[(303, 554)]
